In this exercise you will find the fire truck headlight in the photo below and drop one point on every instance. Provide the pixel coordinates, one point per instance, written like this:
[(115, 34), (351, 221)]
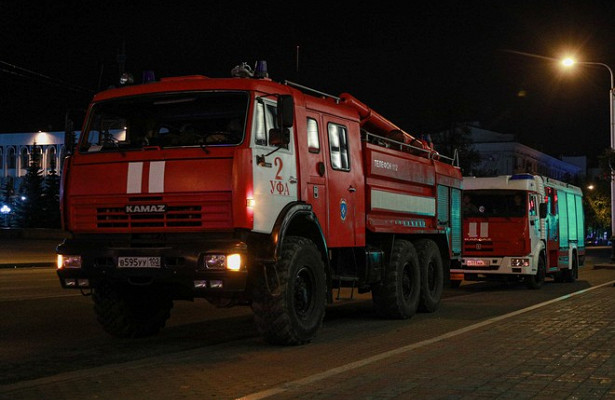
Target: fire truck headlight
[(214, 261), (66, 261), (520, 262), (231, 262)]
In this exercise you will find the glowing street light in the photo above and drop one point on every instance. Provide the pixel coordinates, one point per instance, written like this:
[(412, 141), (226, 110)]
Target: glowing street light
[(569, 62)]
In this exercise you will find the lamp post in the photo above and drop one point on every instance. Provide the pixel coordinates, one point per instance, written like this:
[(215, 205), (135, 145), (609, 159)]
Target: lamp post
[(569, 62)]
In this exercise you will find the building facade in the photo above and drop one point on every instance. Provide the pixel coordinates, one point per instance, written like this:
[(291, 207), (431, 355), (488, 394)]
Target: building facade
[(17, 150), (501, 154)]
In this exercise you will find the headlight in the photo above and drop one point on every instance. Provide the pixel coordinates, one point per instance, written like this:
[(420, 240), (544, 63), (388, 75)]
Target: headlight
[(65, 261), (231, 262), (520, 262)]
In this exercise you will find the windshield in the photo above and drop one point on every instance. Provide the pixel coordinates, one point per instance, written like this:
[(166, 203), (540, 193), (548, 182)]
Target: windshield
[(169, 120), (494, 203)]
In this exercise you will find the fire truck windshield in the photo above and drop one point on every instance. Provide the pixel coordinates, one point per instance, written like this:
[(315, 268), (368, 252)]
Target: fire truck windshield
[(186, 119), (494, 203)]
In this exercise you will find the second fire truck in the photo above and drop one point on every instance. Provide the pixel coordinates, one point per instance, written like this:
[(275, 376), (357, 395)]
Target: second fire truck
[(521, 226)]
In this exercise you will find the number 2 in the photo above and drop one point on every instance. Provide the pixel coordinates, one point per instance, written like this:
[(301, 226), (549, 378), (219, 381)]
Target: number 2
[(278, 163)]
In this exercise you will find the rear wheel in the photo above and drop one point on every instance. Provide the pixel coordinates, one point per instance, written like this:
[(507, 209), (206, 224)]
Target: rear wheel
[(290, 307), (131, 312), (536, 281), (572, 274), (398, 296), (432, 275)]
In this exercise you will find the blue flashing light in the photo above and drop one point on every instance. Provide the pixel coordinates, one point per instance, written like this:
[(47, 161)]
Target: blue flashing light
[(5, 209), (261, 69), (149, 76), (517, 177)]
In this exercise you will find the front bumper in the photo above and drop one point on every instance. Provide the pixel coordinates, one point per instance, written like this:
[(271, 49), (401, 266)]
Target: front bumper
[(180, 267), (496, 266)]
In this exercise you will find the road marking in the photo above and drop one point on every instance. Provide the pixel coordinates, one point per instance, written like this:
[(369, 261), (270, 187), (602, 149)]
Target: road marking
[(37, 297), (366, 361)]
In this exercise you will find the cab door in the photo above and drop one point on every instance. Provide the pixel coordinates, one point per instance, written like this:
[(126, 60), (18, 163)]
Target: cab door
[(346, 208), (274, 168), (552, 227), (315, 170)]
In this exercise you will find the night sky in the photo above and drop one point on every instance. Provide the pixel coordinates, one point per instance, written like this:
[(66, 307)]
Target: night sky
[(422, 66)]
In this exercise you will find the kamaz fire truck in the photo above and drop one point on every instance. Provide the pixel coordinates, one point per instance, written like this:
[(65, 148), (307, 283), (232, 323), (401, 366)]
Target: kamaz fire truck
[(245, 191), (521, 226)]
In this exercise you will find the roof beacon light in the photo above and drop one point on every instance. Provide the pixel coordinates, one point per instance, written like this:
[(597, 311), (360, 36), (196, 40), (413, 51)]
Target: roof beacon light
[(260, 71), (148, 76)]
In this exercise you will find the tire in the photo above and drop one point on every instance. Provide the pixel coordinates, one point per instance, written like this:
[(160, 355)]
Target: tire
[(132, 312), (398, 296), (535, 282), (571, 275), (294, 312), (432, 275)]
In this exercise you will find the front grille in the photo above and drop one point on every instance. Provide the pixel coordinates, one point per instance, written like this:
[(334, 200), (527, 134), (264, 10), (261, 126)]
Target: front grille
[(182, 212), (478, 246), (180, 216)]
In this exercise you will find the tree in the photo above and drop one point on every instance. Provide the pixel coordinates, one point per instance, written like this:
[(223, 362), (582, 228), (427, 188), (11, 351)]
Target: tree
[(458, 139), (28, 208), (51, 199), (8, 191)]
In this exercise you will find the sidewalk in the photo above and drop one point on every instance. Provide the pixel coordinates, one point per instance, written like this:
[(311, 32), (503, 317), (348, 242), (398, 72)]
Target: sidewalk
[(35, 248), (562, 349)]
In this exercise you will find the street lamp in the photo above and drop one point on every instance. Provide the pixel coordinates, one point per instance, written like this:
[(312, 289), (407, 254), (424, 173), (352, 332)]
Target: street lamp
[(568, 62)]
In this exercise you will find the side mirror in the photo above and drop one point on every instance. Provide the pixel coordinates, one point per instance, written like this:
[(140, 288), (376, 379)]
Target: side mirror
[(69, 135), (542, 210), (279, 137), (69, 129)]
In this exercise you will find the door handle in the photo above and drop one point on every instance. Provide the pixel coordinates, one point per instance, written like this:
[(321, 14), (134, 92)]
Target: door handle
[(292, 179), (352, 189)]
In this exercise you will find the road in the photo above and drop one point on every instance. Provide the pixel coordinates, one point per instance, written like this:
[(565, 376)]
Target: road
[(49, 336)]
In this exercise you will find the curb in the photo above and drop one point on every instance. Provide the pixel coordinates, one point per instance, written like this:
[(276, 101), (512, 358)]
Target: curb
[(28, 265)]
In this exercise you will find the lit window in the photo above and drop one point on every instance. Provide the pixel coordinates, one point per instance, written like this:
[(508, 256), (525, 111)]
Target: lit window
[(312, 136)]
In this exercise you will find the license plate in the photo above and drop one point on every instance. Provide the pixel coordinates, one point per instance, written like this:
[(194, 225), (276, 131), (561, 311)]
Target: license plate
[(476, 263), (138, 262)]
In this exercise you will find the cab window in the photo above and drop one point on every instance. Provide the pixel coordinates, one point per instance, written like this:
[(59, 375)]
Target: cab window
[(338, 147), (265, 119)]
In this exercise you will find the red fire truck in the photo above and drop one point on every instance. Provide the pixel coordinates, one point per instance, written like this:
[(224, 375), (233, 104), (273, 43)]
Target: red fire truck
[(244, 191), (520, 226)]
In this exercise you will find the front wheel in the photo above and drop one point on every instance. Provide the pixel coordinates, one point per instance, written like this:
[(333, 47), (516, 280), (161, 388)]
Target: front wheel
[(398, 296), (536, 281), (131, 312), (289, 306)]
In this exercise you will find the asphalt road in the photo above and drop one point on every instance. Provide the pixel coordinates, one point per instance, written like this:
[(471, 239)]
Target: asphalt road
[(49, 337)]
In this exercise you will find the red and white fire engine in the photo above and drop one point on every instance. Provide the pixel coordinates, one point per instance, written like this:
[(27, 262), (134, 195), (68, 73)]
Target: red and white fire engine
[(520, 226), (246, 191)]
